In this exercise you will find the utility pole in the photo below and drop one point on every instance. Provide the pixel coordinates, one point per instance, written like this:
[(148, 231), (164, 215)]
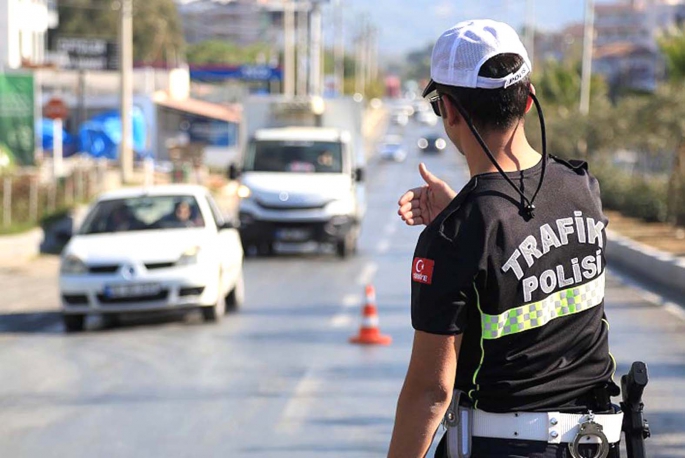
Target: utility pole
[(339, 49), (530, 30), (302, 48), (289, 51), (126, 75), (588, 42), (315, 51), (361, 63)]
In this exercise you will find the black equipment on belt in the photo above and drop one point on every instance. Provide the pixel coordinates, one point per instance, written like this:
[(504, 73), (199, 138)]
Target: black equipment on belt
[(635, 426)]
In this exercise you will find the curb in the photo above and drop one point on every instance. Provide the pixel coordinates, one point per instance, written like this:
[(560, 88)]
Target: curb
[(650, 263)]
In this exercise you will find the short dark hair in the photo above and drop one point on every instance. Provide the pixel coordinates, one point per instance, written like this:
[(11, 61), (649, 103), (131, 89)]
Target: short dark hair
[(494, 109)]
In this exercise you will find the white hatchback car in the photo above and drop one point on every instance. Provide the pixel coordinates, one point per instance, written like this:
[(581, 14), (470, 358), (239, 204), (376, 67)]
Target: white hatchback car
[(146, 249)]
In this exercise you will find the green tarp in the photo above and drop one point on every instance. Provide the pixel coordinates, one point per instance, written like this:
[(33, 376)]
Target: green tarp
[(17, 135)]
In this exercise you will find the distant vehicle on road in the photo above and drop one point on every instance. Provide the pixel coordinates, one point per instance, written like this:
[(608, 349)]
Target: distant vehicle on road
[(432, 143), (301, 174), (147, 249), (392, 149), (426, 117)]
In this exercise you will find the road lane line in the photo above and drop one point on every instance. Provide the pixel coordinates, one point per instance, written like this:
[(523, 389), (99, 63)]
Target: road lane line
[(351, 300), (341, 320), (366, 275), (294, 412), (383, 246)]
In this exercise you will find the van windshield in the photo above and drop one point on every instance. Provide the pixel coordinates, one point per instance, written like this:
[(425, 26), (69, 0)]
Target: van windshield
[(294, 156)]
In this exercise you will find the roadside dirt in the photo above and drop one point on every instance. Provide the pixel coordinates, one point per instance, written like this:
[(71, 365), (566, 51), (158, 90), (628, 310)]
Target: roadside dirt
[(662, 236)]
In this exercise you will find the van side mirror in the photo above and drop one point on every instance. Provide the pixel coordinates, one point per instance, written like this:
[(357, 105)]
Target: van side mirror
[(359, 175), (233, 172)]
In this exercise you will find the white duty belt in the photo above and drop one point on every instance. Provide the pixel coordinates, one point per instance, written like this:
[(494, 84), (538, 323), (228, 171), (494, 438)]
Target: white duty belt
[(550, 427)]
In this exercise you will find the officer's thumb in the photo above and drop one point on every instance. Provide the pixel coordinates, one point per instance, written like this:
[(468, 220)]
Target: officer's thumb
[(428, 177)]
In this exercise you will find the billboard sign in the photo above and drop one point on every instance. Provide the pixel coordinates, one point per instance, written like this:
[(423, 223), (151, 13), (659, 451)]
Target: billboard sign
[(17, 122), (88, 53)]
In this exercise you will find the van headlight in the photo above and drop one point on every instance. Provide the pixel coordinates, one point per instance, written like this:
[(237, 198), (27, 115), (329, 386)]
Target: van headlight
[(72, 265), (189, 257), (340, 207), (440, 144)]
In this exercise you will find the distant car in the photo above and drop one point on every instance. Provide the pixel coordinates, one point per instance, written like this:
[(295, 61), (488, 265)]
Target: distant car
[(432, 144), (148, 249), (392, 149)]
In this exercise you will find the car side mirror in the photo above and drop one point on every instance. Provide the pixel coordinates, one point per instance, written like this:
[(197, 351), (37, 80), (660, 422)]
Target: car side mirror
[(233, 172), (230, 224), (359, 175)]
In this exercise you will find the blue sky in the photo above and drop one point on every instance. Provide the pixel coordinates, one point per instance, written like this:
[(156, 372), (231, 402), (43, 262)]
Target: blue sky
[(410, 24)]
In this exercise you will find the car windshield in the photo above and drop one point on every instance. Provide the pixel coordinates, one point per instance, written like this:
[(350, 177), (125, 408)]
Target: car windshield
[(143, 213), (295, 156)]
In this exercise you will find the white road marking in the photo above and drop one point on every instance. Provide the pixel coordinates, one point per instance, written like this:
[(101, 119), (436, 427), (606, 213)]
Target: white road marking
[(352, 300), (341, 320), (391, 228), (383, 246), (367, 274), (296, 409)]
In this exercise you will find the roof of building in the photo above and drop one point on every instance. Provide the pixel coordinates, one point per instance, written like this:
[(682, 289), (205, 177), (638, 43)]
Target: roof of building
[(198, 107)]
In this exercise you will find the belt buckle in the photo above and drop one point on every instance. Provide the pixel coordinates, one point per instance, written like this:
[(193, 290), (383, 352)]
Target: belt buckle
[(589, 428)]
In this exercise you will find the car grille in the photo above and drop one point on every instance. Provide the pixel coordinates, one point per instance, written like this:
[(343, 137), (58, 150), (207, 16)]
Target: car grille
[(104, 269), (159, 265), (75, 299), (287, 206), (162, 295)]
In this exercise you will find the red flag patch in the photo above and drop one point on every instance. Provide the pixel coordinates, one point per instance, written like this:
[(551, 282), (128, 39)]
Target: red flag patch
[(422, 270)]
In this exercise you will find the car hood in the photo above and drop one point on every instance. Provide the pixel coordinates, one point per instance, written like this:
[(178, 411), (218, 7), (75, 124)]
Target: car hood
[(297, 189), (148, 246)]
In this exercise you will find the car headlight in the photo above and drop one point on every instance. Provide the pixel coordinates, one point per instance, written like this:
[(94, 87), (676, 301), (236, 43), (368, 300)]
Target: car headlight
[(440, 143), (189, 257), (244, 192), (423, 143), (72, 265)]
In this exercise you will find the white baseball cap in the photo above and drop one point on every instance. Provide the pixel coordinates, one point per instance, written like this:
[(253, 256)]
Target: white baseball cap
[(461, 51)]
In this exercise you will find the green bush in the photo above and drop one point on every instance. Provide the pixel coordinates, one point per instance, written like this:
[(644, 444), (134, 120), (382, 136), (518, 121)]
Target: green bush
[(633, 195)]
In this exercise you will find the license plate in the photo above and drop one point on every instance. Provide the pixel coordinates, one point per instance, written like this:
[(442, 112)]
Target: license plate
[(132, 290), (293, 234)]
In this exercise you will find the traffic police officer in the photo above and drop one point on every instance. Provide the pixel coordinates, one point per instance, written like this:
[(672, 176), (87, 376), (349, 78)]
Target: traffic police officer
[(507, 278)]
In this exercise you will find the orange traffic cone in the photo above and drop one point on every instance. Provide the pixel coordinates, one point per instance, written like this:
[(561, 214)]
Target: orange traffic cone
[(369, 334)]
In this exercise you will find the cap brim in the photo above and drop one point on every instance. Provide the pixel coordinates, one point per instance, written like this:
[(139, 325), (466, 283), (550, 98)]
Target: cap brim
[(432, 86)]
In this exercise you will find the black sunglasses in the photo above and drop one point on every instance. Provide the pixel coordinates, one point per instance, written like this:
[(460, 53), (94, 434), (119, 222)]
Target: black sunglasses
[(435, 104)]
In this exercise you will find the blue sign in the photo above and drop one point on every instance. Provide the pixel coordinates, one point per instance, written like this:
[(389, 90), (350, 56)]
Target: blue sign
[(245, 72)]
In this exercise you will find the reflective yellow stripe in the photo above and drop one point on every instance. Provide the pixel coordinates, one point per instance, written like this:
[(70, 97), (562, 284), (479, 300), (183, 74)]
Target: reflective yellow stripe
[(536, 314)]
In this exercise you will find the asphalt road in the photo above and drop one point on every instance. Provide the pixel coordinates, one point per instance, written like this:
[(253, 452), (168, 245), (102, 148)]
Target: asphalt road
[(279, 378)]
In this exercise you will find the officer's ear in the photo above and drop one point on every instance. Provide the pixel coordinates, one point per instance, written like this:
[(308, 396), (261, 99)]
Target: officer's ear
[(529, 101), (449, 110)]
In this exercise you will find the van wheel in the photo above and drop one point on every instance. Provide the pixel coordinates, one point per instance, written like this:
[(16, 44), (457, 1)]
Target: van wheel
[(347, 246), (74, 323), (236, 297)]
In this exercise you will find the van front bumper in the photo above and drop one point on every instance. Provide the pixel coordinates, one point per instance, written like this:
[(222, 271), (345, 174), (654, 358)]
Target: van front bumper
[(254, 231)]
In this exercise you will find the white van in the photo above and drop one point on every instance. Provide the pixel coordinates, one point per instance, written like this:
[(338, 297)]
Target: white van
[(301, 174)]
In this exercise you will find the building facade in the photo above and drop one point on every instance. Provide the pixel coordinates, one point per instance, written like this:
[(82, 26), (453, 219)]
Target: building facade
[(23, 29)]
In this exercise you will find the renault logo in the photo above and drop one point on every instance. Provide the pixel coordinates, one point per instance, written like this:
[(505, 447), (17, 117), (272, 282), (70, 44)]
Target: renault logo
[(128, 272)]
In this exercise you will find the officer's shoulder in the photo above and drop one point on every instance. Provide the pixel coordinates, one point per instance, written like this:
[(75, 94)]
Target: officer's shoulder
[(462, 216), (577, 166)]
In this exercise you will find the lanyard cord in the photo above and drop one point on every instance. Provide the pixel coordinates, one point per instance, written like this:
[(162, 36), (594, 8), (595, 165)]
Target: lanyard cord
[(528, 204)]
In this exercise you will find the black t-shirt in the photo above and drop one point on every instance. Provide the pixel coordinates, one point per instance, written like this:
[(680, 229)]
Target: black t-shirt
[(527, 294)]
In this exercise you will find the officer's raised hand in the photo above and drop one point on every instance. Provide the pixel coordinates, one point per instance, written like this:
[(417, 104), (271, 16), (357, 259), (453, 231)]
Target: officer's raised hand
[(421, 205)]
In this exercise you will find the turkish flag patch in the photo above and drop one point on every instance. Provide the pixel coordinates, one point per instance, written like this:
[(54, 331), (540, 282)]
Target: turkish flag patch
[(422, 270)]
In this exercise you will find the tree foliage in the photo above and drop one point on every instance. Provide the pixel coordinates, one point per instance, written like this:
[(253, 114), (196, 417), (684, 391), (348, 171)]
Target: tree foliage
[(227, 53), (157, 31)]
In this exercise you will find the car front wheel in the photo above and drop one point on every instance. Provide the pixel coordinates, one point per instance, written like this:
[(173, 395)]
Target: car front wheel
[(236, 297)]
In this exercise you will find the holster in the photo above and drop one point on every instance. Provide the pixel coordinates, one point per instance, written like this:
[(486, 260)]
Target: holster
[(459, 424)]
